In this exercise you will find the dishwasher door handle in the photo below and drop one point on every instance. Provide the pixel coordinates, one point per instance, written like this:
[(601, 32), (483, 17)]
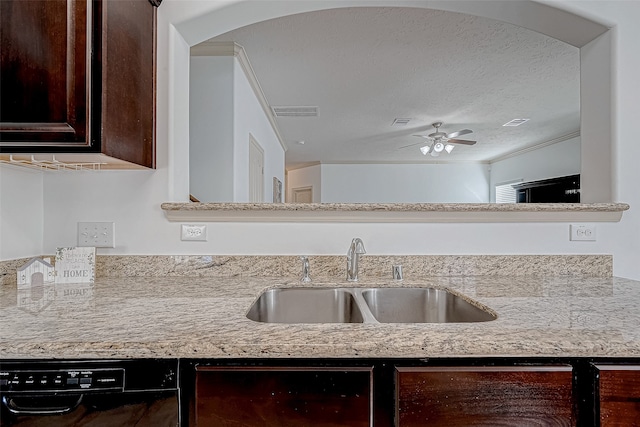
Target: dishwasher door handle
[(16, 409)]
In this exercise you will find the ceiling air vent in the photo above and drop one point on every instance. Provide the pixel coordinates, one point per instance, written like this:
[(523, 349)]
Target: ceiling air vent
[(295, 111), (400, 122), (516, 122)]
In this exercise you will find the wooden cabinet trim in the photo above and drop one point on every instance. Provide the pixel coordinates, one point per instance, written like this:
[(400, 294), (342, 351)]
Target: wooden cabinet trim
[(285, 368), (524, 368), (601, 367)]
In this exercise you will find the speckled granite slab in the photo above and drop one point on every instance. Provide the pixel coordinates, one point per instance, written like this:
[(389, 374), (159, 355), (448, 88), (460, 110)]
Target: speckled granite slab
[(205, 317), (8, 270), (414, 266), (400, 207), (395, 212)]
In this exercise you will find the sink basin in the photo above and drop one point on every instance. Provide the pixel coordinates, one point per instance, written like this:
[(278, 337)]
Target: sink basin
[(364, 305), (306, 305), (421, 305)]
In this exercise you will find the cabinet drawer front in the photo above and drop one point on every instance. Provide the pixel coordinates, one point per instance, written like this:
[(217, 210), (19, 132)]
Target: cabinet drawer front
[(484, 396), (263, 396), (618, 395)]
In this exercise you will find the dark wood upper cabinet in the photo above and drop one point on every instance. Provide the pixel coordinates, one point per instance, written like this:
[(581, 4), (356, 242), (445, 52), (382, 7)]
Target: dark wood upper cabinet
[(78, 76)]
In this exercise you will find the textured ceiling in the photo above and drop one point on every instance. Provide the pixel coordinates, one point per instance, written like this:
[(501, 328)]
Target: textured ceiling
[(364, 67)]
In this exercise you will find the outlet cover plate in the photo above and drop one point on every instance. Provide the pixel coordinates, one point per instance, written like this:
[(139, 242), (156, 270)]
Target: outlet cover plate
[(193, 232), (583, 232), (97, 234)]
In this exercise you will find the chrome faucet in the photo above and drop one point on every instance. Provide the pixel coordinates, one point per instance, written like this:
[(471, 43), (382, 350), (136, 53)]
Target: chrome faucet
[(305, 270), (353, 256)]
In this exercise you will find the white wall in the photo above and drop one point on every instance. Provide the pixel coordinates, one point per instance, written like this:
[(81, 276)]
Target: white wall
[(250, 118), (224, 111), (211, 128), (132, 199), (597, 159), (553, 161), (21, 212), (311, 176), (405, 183)]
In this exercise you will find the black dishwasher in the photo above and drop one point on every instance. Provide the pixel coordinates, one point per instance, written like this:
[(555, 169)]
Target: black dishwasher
[(83, 393)]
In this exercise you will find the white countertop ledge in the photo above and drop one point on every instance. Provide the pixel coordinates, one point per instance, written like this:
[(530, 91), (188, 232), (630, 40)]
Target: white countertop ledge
[(395, 212)]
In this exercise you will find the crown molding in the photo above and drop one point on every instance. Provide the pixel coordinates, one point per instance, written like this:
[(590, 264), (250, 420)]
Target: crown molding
[(522, 151)]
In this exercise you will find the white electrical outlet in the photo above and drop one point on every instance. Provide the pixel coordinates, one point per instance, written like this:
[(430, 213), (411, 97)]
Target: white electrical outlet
[(194, 232), (584, 232), (97, 234)]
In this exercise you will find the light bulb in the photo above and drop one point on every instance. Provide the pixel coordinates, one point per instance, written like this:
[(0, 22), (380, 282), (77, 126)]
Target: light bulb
[(438, 147), (448, 148), (425, 149)]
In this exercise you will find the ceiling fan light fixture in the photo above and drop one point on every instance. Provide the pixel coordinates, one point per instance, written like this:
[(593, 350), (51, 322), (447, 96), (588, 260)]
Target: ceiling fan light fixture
[(441, 141)]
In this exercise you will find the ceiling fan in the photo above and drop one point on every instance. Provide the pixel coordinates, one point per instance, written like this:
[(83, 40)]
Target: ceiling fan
[(440, 141)]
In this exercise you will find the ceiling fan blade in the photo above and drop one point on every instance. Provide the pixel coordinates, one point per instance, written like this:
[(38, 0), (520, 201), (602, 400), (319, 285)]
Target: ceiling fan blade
[(461, 141), (411, 145), (459, 133), (422, 136)]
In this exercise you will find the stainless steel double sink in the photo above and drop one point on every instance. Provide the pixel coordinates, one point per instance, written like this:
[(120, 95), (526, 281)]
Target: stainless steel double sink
[(365, 305)]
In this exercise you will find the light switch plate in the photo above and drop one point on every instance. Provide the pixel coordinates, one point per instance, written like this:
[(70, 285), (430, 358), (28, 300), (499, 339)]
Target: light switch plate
[(97, 234)]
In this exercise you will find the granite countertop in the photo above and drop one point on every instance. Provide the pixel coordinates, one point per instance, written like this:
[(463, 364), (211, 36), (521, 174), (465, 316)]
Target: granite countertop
[(189, 317), (395, 212)]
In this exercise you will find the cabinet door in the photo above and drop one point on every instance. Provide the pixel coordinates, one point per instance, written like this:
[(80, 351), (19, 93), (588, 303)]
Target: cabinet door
[(44, 75), (618, 395), (78, 76), (128, 59), (484, 396), (280, 396)]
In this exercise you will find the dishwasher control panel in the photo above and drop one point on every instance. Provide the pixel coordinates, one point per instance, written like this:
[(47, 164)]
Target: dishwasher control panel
[(67, 380)]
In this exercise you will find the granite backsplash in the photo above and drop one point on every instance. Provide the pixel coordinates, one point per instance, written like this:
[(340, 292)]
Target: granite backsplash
[(330, 266)]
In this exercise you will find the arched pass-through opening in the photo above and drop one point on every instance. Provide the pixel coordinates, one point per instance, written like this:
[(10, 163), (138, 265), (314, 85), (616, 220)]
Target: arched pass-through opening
[(197, 21)]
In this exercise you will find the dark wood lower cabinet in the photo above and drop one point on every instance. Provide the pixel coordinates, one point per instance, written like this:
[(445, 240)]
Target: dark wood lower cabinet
[(484, 396), (449, 392), (283, 396), (617, 396)]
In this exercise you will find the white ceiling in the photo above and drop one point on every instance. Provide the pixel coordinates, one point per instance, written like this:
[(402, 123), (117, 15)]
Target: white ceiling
[(364, 67)]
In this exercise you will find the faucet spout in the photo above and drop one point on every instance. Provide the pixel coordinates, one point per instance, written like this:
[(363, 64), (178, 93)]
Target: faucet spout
[(353, 257), (305, 270)]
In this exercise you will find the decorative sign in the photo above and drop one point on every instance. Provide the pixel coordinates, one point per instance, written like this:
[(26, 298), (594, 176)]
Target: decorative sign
[(36, 272), (75, 265)]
